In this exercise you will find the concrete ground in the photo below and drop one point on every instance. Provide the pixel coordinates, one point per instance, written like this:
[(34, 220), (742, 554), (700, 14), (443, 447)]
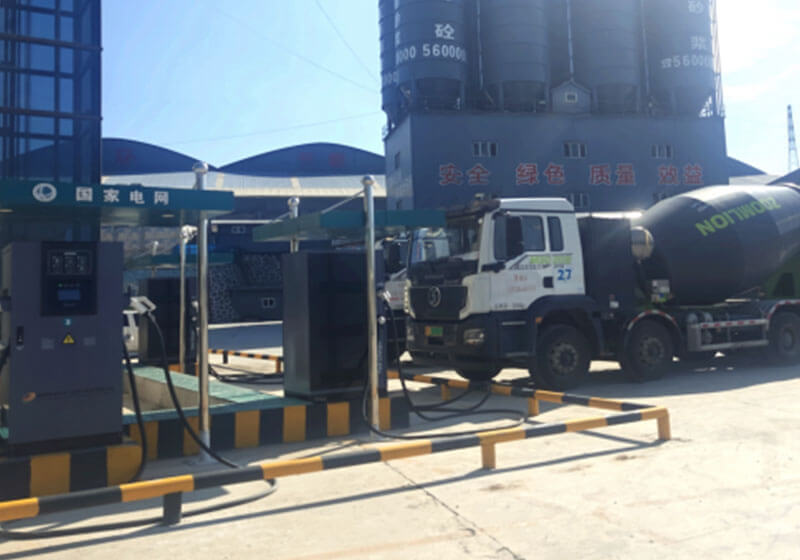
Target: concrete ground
[(726, 486)]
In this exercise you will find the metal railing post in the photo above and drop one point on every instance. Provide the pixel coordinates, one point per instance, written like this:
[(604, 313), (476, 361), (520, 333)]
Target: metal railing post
[(372, 303), (172, 508), (294, 212), (184, 239), (201, 170)]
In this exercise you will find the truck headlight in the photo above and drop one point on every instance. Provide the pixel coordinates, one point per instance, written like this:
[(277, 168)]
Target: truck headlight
[(407, 300), (474, 337), (409, 333)]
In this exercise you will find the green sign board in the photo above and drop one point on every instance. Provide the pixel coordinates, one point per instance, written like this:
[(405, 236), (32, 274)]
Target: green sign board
[(44, 194), (113, 203)]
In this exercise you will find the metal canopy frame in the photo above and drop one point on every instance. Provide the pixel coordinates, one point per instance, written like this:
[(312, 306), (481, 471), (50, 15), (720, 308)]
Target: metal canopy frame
[(347, 224)]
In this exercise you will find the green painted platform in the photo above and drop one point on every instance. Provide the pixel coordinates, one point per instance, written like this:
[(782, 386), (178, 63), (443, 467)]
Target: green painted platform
[(250, 418)]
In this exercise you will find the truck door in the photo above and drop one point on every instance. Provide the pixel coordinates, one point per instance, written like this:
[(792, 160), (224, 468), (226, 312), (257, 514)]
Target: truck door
[(520, 246), (539, 255), (565, 263)]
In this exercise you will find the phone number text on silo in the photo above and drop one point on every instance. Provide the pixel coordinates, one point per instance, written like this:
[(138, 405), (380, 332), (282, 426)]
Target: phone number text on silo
[(432, 50)]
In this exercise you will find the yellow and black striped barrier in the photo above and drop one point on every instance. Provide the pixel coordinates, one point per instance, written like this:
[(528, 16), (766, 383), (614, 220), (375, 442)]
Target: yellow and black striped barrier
[(168, 488), (534, 395), (226, 354), (68, 471)]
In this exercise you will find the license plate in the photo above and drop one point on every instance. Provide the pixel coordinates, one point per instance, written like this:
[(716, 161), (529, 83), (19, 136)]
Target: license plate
[(434, 331)]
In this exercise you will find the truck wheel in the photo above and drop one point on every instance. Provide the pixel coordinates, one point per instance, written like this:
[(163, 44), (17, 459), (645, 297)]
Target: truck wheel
[(784, 338), (649, 352), (479, 374), (562, 358)]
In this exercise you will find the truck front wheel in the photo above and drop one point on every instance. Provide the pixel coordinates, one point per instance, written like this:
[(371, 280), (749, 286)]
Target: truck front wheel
[(649, 352), (784, 338), (562, 358)]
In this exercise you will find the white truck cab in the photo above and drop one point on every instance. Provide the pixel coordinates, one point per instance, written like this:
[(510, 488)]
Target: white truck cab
[(475, 305)]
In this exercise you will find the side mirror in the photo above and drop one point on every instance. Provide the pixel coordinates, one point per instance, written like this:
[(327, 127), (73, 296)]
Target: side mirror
[(514, 241)]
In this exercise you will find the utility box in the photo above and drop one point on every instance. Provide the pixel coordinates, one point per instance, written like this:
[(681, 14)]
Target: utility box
[(165, 293), (61, 386), (325, 347)]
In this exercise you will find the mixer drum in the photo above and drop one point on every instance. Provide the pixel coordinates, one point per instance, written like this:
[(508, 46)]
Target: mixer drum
[(719, 242)]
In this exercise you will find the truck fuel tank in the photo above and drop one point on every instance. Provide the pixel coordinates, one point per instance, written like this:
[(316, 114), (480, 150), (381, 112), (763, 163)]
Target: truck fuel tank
[(718, 242)]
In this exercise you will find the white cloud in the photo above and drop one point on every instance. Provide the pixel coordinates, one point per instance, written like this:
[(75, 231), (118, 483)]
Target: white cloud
[(751, 32), (755, 89)]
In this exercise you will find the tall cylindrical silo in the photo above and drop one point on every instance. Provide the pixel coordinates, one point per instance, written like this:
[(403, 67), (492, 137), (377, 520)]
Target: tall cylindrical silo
[(608, 57), (431, 38), (516, 53), (560, 70), (681, 54), (389, 92)]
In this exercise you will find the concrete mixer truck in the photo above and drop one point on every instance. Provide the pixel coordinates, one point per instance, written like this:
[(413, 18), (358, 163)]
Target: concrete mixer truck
[(528, 283)]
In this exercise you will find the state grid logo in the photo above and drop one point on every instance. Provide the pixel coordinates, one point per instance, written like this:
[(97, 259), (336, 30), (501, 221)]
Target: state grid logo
[(44, 192)]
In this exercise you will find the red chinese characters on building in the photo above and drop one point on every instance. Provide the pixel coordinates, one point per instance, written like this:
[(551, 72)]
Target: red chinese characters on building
[(626, 175), (527, 174), (668, 175), (478, 175), (449, 174), (555, 174), (600, 174), (693, 174)]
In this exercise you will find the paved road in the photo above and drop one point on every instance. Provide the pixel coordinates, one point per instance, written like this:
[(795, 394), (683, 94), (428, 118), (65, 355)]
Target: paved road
[(727, 486)]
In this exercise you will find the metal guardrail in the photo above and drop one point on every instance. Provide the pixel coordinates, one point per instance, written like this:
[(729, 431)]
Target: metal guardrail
[(171, 489), (226, 354)]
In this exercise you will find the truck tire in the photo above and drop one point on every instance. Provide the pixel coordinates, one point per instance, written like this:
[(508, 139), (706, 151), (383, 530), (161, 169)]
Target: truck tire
[(784, 338), (649, 352), (479, 374), (562, 358)]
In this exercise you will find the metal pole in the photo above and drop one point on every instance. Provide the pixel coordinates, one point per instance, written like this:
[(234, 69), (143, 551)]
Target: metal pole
[(186, 234), (200, 170), (372, 304), (182, 319), (294, 212)]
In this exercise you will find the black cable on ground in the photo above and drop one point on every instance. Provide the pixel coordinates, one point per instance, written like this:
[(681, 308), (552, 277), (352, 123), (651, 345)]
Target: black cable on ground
[(448, 413), (247, 378), (137, 407), (153, 521)]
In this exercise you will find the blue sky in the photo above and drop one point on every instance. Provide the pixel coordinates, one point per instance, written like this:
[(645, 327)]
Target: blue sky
[(226, 80)]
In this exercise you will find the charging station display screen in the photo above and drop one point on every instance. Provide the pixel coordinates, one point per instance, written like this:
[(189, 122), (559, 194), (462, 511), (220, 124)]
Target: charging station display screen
[(68, 294), (69, 279)]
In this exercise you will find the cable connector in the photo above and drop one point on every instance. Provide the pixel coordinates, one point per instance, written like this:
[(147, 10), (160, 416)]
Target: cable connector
[(142, 305)]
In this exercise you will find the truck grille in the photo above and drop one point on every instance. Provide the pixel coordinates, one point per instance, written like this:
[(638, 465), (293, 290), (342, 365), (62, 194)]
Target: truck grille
[(438, 302)]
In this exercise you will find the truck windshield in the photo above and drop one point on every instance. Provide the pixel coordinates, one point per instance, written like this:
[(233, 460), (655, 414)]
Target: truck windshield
[(458, 239)]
